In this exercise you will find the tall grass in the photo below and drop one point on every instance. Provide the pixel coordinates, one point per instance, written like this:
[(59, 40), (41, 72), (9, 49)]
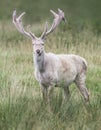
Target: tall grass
[(21, 105)]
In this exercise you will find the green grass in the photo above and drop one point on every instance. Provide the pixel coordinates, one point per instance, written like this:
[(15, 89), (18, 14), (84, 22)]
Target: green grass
[(21, 105)]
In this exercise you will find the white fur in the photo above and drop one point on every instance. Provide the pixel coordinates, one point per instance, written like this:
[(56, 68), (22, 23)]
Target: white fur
[(53, 70)]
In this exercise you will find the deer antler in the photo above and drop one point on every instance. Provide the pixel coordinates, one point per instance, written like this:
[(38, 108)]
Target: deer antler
[(18, 24), (57, 19)]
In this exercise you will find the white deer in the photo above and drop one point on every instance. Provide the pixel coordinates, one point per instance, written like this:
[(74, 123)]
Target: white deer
[(52, 70)]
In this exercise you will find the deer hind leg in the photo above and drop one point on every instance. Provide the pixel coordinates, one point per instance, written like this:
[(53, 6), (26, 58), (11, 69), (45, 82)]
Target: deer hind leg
[(80, 82), (66, 95)]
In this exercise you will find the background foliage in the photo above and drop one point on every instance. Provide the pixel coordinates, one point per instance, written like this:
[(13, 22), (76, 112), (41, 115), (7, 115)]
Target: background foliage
[(79, 13), (21, 104)]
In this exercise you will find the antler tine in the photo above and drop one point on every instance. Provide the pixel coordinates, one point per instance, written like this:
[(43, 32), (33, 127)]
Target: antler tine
[(21, 16), (59, 10), (55, 15), (14, 16), (45, 30), (61, 13), (57, 19), (31, 34), (18, 24)]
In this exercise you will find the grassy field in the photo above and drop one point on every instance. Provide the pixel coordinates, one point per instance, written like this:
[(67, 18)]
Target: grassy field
[(21, 105)]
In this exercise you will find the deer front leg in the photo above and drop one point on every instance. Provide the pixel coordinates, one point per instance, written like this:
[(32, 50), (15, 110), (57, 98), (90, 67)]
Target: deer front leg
[(44, 92), (49, 98), (50, 91)]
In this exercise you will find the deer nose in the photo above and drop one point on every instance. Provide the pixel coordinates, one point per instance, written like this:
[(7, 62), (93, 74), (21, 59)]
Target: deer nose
[(38, 51)]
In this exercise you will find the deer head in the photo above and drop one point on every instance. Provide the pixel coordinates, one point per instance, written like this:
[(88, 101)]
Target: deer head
[(38, 42)]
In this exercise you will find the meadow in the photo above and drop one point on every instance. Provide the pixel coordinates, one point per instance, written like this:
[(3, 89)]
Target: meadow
[(21, 104)]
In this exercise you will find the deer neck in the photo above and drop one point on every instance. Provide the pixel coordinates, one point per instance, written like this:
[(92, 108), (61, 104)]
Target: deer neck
[(39, 61)]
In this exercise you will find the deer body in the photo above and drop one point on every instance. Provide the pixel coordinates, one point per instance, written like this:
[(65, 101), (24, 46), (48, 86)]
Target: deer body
[(52, 70), (57, 69)]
